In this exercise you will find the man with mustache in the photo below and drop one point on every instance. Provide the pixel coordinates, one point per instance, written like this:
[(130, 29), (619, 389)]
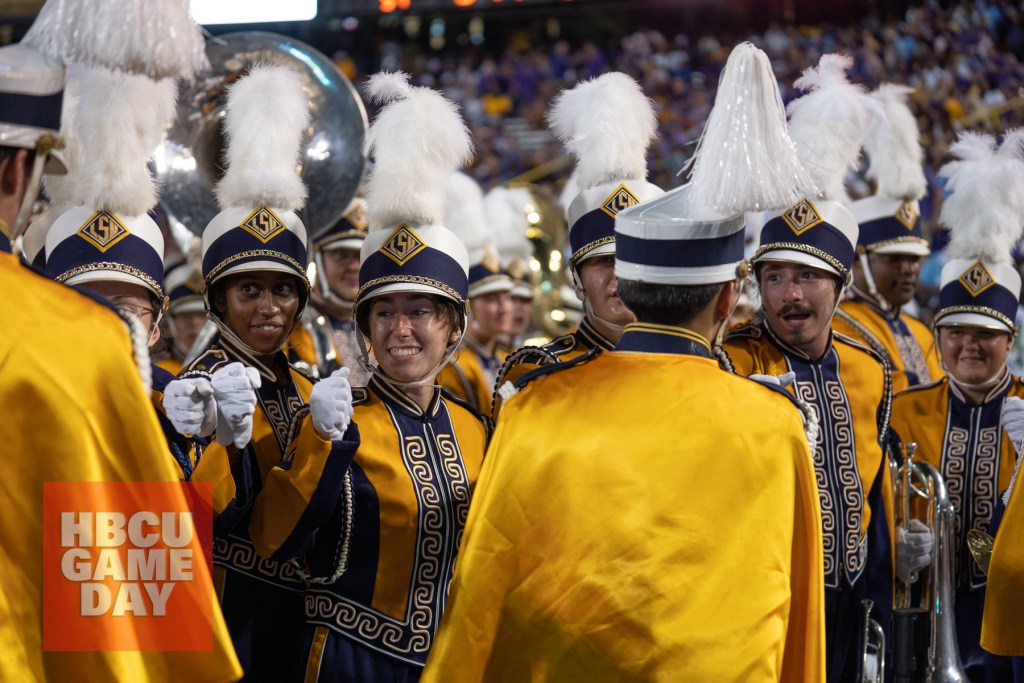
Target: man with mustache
[(891, 249), (801, 266)]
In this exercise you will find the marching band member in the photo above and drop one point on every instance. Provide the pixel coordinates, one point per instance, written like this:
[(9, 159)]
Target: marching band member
[(969, 424), (274, 431), (186, 310), (607, 123), (471, 377), (507, 212), (891, 248), (606, 556), (801, 266), (67, 417), (336, 255), (381, 566)]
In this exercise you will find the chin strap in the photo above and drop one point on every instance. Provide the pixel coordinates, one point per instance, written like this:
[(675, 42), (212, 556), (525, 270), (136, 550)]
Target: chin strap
[(591, 313), (326, 293), (872, 288), (980, 386), (29, 200), (426, 380)]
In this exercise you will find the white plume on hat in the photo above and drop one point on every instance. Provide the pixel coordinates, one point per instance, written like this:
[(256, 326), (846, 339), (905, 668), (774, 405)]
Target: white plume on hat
[(156, 38), (267, 116), (506, 209), (607, 123), (418, 140), (985, 208), (745, 159), (893, 147), (465, 216), (115, 122), (829, 123)]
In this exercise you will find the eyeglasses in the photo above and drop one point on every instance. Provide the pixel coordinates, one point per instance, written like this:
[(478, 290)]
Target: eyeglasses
[(138, 311)]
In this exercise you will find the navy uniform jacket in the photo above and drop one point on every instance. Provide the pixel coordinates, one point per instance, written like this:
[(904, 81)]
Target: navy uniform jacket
[(268, 498), (382, 565), (849, 390)]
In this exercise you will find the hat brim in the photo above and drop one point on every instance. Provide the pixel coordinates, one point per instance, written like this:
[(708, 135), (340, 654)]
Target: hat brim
[(973, 320), (799, 257)]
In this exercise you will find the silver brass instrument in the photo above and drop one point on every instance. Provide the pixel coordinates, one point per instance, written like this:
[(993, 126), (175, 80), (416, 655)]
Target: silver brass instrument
[(320, 333), (872, 650), (922, 480), (189, 163)]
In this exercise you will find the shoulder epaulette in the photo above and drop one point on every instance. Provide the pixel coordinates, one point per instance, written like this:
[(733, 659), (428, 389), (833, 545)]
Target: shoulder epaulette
[(545, 370), (207, 363), (360, 396), (561, 345), (748, 331)]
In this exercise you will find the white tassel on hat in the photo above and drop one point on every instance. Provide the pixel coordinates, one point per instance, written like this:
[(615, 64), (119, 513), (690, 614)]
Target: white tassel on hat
[(417, 140), (893, 147), (267, 117), (606, 123), (985, 206), (745, 160), (156, 38), (829, 123)]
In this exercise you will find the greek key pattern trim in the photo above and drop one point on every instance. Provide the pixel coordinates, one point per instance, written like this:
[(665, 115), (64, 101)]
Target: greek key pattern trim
[(239, 554)]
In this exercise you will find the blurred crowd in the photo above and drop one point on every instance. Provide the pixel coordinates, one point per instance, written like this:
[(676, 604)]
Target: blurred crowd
[(964, 59)]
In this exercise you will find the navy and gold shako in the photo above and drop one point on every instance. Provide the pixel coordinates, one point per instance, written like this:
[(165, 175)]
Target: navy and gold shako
[(246, 239), (820, 233), (348, 232), (184, 286), (592, 215), (486, 276), (84, 245), (973, 292), (889, 226)]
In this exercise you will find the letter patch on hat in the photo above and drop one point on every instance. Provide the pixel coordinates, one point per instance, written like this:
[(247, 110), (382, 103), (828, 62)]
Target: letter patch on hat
[(402, 245), (262, 224), (103, 230), (801, 216), (977, 278), (907, 214), (620, 200)]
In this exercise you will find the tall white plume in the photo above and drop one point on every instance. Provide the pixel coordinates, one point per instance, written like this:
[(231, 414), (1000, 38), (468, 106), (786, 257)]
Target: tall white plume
[(829, 123), (607, 123), (417, 141), (266, 122), (506, 209), (156, 38), (115, 123), (893, 146), (465, 216), (984, 209)]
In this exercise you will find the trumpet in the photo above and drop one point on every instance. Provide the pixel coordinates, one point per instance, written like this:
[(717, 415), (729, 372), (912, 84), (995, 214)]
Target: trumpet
[(872, 655), (941, 663)]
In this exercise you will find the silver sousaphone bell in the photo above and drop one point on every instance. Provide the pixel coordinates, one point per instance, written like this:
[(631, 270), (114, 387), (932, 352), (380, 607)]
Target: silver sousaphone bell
[(190, 162)]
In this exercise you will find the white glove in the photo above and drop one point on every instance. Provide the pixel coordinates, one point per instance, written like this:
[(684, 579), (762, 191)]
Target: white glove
[(1013, 419), (913, 550), (783, 380), (234, 388), (190, 406), (330, 405)]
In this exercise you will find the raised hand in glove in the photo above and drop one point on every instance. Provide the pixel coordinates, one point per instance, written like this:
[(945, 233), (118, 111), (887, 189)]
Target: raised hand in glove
[(190, 406), (913, 550), (783, 380), (330, 405), (234, 388), (1013, 420)]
